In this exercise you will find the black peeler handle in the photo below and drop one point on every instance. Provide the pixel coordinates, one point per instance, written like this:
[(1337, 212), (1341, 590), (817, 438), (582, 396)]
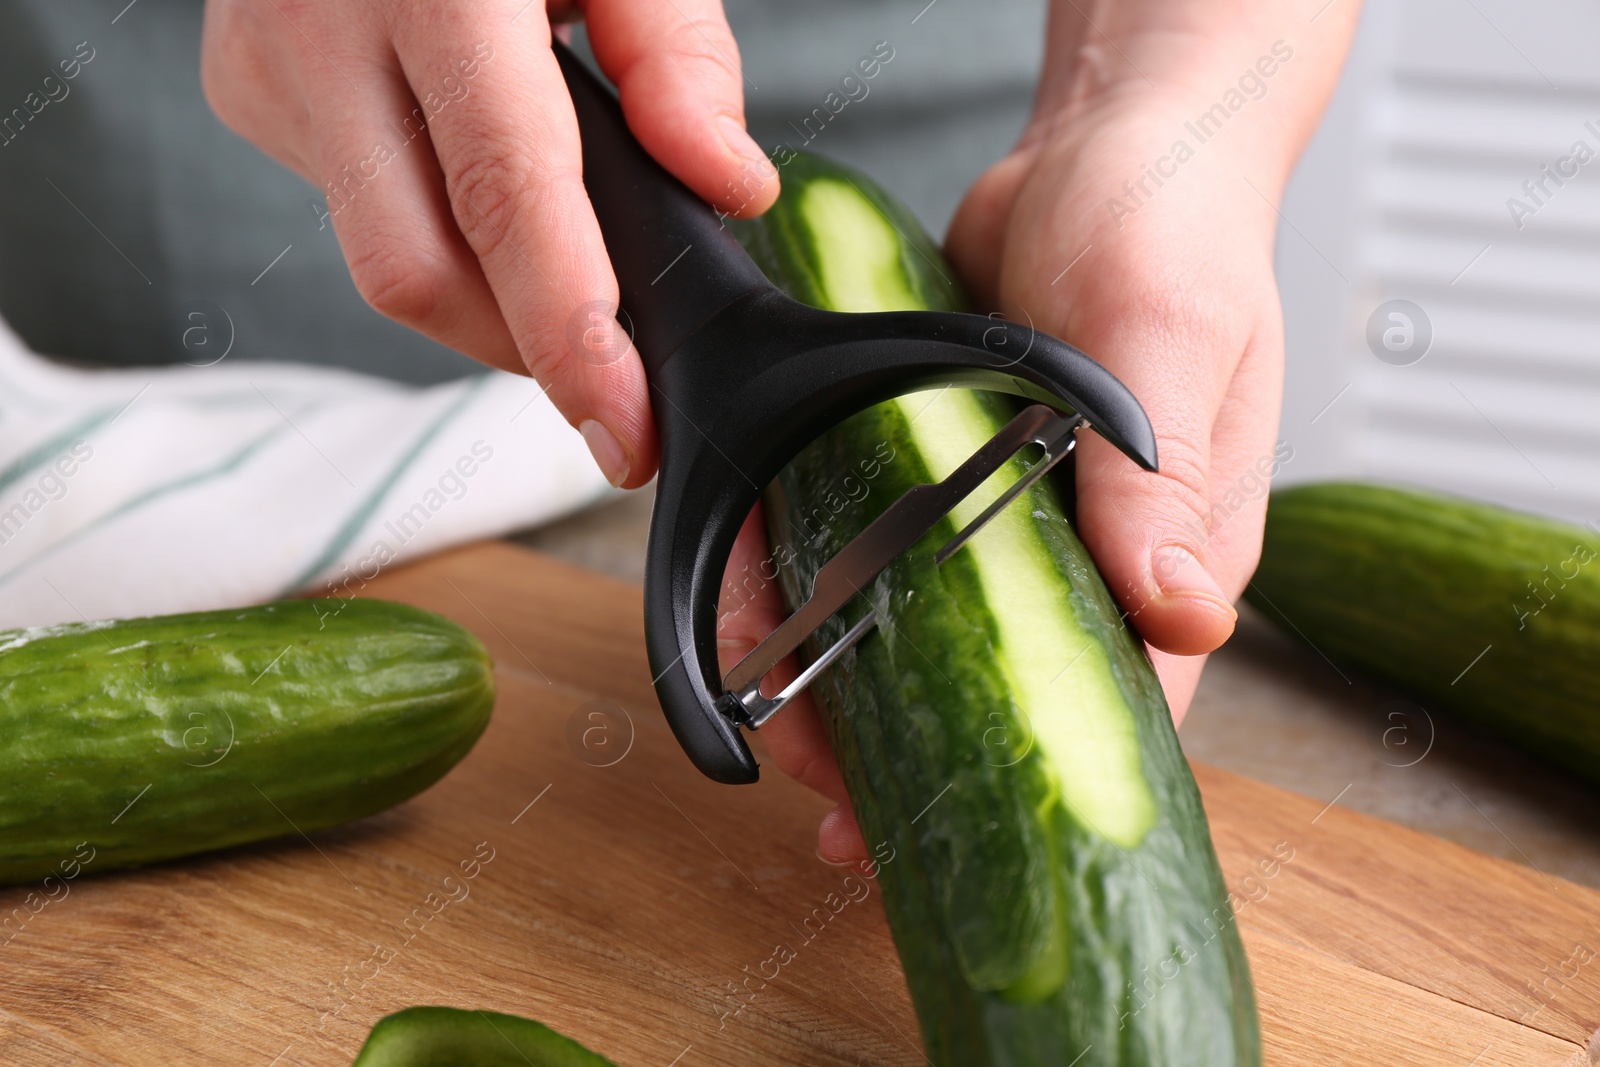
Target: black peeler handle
[(675, 261), (742, 377)]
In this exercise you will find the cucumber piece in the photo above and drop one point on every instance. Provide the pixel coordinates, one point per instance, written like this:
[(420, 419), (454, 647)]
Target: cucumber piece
[(1047, 868), (1476, 609), (141, 740), (455, 1037)]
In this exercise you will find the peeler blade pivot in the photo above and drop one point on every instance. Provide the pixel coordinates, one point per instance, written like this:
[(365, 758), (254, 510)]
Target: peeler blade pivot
[(902, 525), (1057, 437)]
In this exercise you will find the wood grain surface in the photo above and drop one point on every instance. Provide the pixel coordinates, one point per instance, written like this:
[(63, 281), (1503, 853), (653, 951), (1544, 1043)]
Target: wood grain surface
[(621, 898)]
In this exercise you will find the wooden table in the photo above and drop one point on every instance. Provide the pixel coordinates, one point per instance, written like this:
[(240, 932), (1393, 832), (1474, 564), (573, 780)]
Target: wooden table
[(625, 894)]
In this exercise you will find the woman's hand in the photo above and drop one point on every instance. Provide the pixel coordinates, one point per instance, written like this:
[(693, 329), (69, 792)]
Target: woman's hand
[(443, 136), (1136, 219)]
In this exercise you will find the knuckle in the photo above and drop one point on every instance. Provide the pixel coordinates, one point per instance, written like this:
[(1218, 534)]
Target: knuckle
[(1240, 562), (226, 56), (1187, 320), (810, 767), (486, 193), (216, 91), (213, 70), (547, 363), (706, 45), (1172, 306), (1184, 476), (397, 282)]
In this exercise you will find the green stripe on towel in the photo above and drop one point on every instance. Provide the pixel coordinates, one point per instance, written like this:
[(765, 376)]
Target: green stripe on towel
[(227, 466), (353, 525), (39, 454)]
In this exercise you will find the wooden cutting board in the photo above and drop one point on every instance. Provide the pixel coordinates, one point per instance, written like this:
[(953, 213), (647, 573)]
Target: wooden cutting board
[(624, 900)]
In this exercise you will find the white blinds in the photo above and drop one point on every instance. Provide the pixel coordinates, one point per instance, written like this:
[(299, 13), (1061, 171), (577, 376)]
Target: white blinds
[(1460, 171)]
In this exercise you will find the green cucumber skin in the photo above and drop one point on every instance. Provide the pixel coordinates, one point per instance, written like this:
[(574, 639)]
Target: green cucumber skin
[(1412, 586), (455, 1037), (912, 713), (243, 724), (778, 239)]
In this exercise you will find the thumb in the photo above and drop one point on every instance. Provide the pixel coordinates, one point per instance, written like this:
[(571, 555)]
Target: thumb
[(1147, 534), (839, 839), (975, 243), (1148, 531), (678, 73), (1145, 531)]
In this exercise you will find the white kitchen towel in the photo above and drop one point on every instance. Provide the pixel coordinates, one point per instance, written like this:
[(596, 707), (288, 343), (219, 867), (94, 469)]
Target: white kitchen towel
[(157, 490)]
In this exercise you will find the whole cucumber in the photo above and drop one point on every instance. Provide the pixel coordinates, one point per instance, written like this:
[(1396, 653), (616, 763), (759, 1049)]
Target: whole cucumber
[(138, 740), (1477, 609)]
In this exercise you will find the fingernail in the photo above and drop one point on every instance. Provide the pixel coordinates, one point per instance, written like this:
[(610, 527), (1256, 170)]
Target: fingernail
[(606, 450), (1179, 574), (741, 144)]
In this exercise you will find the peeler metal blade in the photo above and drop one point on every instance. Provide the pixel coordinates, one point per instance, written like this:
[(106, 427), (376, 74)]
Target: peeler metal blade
[(902, 525)]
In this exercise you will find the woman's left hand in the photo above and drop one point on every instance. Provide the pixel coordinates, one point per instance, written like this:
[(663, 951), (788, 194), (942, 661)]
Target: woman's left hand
[(1156, 260)]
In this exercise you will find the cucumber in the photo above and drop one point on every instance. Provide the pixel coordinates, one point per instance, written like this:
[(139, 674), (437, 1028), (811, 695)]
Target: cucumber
[(127, 742), (455, 1037), (1048, 872), (1476, 609)]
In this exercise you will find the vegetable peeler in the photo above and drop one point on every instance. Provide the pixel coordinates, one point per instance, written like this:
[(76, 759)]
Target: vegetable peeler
[(742, 377)]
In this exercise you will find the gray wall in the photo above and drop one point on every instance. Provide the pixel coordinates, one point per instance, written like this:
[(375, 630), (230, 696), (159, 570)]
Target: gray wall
[(158, 211)]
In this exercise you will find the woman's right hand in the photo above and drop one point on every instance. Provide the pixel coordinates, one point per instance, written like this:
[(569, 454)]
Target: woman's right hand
[(442, 133)]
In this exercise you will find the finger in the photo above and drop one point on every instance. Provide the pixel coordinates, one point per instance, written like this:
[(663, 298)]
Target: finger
[(839, 839), (678, 72), (751, 607), (1180, 676), (387, 204), (1148, 532), (252, 82), (975, 243), (1147, 537), (1184, 544), (1245, 456), (507, 143)]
